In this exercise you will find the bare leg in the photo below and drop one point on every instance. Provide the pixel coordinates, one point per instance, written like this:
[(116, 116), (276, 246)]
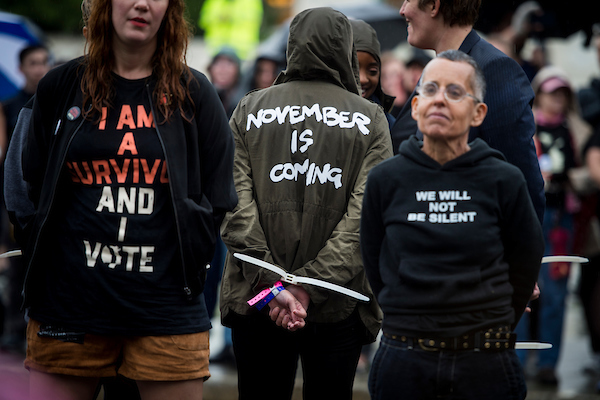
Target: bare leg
[(177, 390), (43, 386)]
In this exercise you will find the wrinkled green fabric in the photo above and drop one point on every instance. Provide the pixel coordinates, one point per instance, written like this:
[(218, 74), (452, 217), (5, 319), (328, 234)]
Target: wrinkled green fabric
[(288, 214), (321, 49)]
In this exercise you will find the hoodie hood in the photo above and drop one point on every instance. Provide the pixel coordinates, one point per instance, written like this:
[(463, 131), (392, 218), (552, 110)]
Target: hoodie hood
[(480, 150), (320, 47), (365, 39)]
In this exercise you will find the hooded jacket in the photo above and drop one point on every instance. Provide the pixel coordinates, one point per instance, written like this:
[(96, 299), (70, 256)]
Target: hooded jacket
[(449, 249), (303, 150)]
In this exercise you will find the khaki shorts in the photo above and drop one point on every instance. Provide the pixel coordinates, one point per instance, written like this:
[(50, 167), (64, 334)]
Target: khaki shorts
[(144, 358)]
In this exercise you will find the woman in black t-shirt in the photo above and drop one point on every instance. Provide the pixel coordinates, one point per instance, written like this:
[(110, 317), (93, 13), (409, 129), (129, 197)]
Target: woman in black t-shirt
[(129, 164)]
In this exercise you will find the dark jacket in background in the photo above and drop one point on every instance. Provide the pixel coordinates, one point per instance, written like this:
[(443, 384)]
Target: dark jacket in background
[(589, 102), (12, 108)]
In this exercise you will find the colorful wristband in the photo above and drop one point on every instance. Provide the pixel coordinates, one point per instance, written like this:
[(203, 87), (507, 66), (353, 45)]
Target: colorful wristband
[(266, 295)]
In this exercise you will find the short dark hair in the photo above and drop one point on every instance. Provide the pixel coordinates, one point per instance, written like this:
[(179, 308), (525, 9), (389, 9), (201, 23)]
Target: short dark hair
[(30, 49), (477, 80), (457, 12)]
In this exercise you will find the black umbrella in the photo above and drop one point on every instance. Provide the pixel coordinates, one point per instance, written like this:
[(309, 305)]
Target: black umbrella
[(557, 19)]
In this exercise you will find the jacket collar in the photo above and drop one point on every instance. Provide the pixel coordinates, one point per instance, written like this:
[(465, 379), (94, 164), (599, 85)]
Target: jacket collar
[(470, 41)]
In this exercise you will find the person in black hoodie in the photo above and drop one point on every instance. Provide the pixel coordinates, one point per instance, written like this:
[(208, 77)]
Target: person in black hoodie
[(451, 246)]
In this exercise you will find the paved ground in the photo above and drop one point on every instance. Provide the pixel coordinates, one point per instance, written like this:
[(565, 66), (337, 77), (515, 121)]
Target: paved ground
[(575, 383)]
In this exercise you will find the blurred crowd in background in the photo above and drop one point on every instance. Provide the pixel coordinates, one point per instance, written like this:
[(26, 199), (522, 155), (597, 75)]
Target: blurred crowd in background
[(241, 58)]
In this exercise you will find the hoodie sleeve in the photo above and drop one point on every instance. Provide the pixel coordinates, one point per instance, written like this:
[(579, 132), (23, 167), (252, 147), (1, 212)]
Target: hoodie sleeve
[(217, 151), (523, 241), (372, 232), (18, 205), (340, 261)]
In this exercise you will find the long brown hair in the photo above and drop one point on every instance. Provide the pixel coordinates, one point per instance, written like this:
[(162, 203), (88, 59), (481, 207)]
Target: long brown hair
[(168, 62)]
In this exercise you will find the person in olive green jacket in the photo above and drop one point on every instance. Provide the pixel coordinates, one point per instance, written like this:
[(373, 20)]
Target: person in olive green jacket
[(304, 148)]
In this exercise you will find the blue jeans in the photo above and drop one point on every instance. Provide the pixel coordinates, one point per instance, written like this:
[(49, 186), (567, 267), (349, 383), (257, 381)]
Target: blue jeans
[(401, 373), (551, 304), (213, 277)]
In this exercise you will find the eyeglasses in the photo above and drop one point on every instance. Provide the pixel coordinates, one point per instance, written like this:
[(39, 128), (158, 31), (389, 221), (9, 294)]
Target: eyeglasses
[(453, 93)]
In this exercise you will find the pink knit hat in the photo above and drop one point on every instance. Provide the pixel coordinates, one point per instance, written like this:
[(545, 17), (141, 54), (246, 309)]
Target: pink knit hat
[(554, 83)]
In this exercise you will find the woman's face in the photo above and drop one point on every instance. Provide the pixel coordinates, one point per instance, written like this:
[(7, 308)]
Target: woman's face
[(418, 23), (136, 22), (554, 103), (437, 117), (223, 73), (265, 73), (369, 73)]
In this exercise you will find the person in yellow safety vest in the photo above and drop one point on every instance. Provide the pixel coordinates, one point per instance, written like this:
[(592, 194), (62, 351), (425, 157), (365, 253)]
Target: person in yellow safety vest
[(233, 23)]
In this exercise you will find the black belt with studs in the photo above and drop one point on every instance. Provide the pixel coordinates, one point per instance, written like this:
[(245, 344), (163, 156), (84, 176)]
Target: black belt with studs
[(489, 340)]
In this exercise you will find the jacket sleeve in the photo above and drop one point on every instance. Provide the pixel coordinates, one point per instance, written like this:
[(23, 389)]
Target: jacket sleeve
[(509, 125), (340, 261), (36, 147), (241, 230), (20, 208), (523, 242), (217, 151), (372, 232)]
